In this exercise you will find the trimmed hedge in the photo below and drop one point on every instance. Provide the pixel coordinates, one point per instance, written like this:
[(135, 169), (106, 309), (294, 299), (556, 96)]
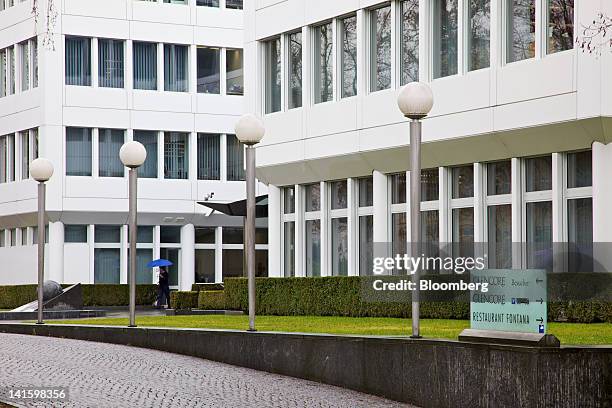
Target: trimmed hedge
[(341, 296), (211, 300), (93, 295), (183, 300), (196, 287)]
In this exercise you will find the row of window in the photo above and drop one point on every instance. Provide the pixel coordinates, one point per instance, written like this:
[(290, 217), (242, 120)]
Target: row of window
[(19, 67), (17, 150), (21, 236), (228, 4), (5, 4), (457, 209), (334, 46), (168, 154), (170, 73)]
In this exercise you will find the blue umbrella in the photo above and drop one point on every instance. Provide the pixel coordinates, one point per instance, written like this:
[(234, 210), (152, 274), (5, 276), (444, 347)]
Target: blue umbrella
[(159, 262)]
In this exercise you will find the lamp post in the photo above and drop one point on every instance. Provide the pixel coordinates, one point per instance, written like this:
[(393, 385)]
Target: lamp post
[(41, 170), (250, 130), (133, 154), (415, 101)]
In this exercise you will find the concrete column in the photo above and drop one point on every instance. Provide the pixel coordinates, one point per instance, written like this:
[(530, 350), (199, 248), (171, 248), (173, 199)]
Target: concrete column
[(602, 197), (187, 272), (274, 231), (56, 252)]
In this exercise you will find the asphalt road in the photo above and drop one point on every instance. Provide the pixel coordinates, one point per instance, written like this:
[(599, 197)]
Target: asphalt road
[(108, 376)]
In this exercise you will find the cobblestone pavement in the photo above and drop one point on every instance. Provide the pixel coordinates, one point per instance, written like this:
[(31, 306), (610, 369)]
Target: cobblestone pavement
[(108, 376)]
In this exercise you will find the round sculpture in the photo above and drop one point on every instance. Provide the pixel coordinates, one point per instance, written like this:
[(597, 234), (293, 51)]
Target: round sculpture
[(51, 289)]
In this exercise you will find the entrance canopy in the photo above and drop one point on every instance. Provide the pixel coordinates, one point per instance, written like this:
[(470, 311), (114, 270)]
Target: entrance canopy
[(238, 208)]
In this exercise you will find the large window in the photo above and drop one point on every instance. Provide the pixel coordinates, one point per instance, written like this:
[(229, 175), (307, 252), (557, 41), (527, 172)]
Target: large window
[(176, 68), (148, 138), (579, 204), (462, 210), (235, 158), (349, 56), (78, 151), (445, 38), (521, 29), (234, 71), (410, 41), (209, 156), (145, 65), (430, 218), (538, 212), (110, 142), (365, 212), (107, 254), (176, 155), (499, 214), (479, 36), (110, 63), (560, 27), (380, 48), (78, 61), (24, 57), (295, 69), (272, 56), (339, 227), (312, 216), (323, 63), (209, 80), (288, 231)]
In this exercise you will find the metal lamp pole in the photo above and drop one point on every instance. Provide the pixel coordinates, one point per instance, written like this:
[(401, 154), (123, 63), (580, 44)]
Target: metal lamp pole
[(415, 101), (41, 170), (133, 154)]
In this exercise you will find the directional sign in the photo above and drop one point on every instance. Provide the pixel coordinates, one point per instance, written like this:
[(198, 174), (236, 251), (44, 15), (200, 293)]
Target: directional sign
[(515, 300)]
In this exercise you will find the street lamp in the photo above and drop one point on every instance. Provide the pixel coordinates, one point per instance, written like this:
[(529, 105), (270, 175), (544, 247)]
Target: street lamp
[(250, 130), (415, 101), (133, 154), (41, 170)]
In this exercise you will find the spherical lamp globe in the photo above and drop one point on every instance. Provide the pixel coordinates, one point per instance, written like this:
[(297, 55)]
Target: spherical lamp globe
[(250, 129), (41, 170), (415, 100), (133, 154)]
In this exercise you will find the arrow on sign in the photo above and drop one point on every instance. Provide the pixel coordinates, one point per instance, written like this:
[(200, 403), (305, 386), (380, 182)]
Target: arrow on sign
[(540, 300), (539, 280), (540, 320)]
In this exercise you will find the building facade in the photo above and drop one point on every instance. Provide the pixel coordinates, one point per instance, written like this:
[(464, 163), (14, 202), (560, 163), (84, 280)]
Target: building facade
[(516, 149), (77, 80)]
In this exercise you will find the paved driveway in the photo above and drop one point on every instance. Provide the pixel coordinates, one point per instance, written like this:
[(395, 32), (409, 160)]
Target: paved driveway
[(107, 375)]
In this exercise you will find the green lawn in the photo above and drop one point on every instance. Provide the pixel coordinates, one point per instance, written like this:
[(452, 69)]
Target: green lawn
[(568, 333)]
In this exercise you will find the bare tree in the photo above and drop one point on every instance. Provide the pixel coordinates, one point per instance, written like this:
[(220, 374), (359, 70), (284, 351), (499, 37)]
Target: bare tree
[(50, 21), (596, 36)]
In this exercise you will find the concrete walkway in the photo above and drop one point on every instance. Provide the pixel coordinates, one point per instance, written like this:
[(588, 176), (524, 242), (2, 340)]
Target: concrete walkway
[(107, 375)]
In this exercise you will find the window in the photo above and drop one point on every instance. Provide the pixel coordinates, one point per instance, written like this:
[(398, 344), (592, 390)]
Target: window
[(25, 154), (445, 38), (538, 174), (312, 194), (462, 210), (208, 70), (176, 155), (7, 158), (3, 73), (148, 138), (207, 3), (75, 234), (398, 188), (579, 205), (312, 199), (479, 36), (110, 63), (410, 41), (209, 156), (233, 235), (463, 181), (205, 235), (175, 68), (295, 70), (145, 65), (234, 72), (288, 231), (34, 59), (339, 195), (521, 16), (204, 266), (272, 52), (170, 234), (560, 32), (365, 212), (235, 159), (78, 61), (430, 219), (110, 142), (339, 227), (323, 63), (233, 4), (107, 265), (538, 212), (78, 152), (499, 214), (24, 236), (176, 1), (380, 49), (24, 56), (349, 56), (107, 234), (11, 70)]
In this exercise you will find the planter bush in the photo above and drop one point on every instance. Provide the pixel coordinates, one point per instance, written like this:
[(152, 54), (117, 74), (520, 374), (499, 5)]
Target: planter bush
[(211, 300), (183, 300), (196, 287)]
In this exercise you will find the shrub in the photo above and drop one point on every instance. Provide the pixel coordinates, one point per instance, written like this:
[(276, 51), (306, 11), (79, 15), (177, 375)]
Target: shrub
[(196, 287), (184, 300), (12, 297), (211, 300)]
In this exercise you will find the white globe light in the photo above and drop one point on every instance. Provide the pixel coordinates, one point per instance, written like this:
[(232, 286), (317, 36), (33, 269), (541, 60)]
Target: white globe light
[(249, 129), (41, 170), (133, 154), (415, 100)]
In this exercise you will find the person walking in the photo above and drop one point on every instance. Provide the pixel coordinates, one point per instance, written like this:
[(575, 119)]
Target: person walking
[(163, 288)]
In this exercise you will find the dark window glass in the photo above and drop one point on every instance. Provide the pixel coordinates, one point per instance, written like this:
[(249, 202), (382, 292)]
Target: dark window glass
[(429, 185), (398, 188), (366, 192), (107, 234), (170, 235), (205, 235), (208, 70), (312, 193), (499, 177), (233, 235), (580, 169), (538, 173), (463, 181), (75, 233)]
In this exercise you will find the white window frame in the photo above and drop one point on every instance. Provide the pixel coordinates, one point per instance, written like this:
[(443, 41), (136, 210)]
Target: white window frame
[(494, 201), (395, 32)]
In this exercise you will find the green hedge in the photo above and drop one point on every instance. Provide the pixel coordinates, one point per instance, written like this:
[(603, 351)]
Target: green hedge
[(211, 300), (341, 296), (184, 300), (196, 287), (93, 295)]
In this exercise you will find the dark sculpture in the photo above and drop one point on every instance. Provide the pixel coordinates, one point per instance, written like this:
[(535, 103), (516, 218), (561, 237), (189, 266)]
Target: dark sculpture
[(51, 289)]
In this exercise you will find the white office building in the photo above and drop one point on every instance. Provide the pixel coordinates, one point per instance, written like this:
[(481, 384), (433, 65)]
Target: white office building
[(78, 78), (516, 149)]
